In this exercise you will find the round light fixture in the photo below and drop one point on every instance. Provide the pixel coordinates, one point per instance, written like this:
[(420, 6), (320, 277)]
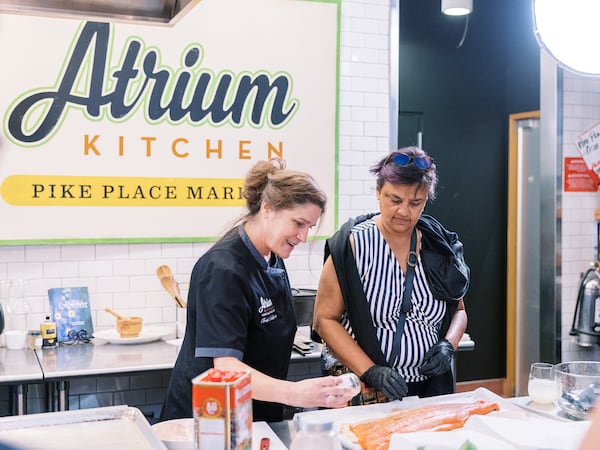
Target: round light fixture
[(457, 7), (569, 31)]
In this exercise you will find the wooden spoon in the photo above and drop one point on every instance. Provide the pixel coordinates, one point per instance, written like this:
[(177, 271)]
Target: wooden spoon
[(171, 285), (114, 313)]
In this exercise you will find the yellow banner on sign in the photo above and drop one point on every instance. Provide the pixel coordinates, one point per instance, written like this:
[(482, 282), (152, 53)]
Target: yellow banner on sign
[(59, 190)]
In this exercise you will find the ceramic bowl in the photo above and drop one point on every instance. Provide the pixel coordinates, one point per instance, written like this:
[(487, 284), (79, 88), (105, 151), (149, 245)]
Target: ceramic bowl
[(15, 340), (580, 386), (176, 434)]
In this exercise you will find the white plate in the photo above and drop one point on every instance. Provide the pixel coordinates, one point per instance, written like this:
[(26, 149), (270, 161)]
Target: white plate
[(176, 342), (148, 334)]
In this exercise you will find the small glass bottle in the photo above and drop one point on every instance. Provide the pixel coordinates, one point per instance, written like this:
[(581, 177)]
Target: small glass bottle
[(313, 432)]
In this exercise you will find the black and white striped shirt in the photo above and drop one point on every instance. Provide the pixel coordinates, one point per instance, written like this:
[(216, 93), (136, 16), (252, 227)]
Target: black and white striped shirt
[(383, 283)]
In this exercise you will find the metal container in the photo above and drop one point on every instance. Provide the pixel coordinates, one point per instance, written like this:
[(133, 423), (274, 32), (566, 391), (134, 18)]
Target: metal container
[(122, 427), (586, 320), (304, 304)]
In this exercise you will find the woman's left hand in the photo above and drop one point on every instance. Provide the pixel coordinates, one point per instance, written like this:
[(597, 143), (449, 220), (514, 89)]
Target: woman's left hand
[(438, 359)]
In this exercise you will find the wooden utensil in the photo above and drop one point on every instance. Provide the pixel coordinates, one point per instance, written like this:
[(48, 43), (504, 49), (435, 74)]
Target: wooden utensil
[(114, 313), (171, 285)]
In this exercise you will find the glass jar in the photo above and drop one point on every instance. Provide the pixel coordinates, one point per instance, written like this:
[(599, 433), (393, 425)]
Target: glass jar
[(5, 292), (34, 339), (350, 381), (314, 432)]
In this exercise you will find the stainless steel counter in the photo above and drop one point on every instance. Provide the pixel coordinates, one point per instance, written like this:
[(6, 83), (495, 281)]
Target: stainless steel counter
[(17, 369), (58, 365), (62, 363), (19, 366), (67, 361)]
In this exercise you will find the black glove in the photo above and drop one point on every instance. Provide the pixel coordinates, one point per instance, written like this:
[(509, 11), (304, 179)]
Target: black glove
[(386, 380), (438, 359)]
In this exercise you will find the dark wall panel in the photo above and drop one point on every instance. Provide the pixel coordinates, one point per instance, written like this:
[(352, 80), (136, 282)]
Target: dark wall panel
[(464, 96)]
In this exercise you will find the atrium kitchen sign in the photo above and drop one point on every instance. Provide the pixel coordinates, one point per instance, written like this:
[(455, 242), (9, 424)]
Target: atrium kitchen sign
[(108, 125)]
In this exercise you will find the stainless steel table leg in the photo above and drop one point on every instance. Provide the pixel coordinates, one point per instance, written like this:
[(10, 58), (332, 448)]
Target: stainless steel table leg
[(63, 395), (19, 398), (453, 367)]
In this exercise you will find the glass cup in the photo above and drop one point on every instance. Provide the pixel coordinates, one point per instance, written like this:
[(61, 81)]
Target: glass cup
[(543, 387)]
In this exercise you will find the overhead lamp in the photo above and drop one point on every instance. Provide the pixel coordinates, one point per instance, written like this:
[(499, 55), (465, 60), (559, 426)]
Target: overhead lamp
[(568, 30), (457, 7)]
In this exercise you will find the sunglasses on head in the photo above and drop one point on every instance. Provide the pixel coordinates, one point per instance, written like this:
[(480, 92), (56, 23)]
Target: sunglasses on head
[(402, 159)]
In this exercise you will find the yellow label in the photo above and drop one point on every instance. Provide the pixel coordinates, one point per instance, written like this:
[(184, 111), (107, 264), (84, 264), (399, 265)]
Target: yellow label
[(48, 330), (58, 190)]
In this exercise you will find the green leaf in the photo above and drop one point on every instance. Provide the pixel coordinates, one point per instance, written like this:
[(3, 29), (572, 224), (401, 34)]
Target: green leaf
[(467, 446)]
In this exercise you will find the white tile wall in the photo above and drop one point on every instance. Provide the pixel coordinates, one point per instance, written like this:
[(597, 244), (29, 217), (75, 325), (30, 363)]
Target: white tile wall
[(581, 110), (123, 276)]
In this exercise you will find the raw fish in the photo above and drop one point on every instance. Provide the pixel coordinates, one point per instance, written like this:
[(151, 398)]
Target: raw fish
[(376, 434)]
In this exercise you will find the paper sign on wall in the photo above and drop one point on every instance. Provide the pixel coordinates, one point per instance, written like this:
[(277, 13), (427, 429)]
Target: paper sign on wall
[(578, 177), (588, 144)]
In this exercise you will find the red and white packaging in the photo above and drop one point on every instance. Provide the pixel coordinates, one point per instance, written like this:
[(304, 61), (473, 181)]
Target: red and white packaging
[(222, 405)]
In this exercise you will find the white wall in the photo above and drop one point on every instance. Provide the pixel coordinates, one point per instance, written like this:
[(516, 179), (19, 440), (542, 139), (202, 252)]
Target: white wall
[(123, 276), (581, 110)]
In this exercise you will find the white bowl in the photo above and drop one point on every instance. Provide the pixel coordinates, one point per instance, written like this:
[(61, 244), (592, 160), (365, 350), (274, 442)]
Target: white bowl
[(15, 340), (176, 434)]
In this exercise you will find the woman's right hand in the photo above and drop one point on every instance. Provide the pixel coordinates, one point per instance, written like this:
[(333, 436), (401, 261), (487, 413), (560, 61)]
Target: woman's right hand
[(325, 392)]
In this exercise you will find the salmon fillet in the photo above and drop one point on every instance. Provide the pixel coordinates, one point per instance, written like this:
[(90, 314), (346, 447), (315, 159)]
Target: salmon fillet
[(376, 434)]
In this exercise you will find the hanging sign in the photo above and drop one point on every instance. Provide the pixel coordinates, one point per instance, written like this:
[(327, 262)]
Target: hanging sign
[(588, 144), (134, 132)]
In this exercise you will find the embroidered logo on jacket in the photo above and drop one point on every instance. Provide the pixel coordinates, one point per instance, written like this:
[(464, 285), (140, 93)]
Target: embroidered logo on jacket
[(266, 310)]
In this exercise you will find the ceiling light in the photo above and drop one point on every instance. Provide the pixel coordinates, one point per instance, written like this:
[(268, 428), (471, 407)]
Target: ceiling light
[(569, 31), (457, 7)]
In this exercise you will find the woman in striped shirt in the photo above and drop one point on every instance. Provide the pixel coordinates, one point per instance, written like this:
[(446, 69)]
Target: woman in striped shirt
[(399, 336)]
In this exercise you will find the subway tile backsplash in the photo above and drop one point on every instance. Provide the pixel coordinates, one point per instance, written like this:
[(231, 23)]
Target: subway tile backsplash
[(581, 110), (123, 276)]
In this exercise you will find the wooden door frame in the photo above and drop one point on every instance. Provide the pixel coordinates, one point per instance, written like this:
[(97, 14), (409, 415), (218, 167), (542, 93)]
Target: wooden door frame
[(511, 248)]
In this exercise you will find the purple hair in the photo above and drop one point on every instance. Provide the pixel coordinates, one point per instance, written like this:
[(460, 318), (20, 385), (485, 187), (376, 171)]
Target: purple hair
[(386, 170)]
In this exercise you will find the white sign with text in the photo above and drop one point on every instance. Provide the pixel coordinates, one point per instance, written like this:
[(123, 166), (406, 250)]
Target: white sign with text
[(588, 144), (133, 132)]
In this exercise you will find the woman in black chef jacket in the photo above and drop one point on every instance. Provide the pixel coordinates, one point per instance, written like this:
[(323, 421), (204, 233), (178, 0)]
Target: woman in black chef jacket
[(240, 307)]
